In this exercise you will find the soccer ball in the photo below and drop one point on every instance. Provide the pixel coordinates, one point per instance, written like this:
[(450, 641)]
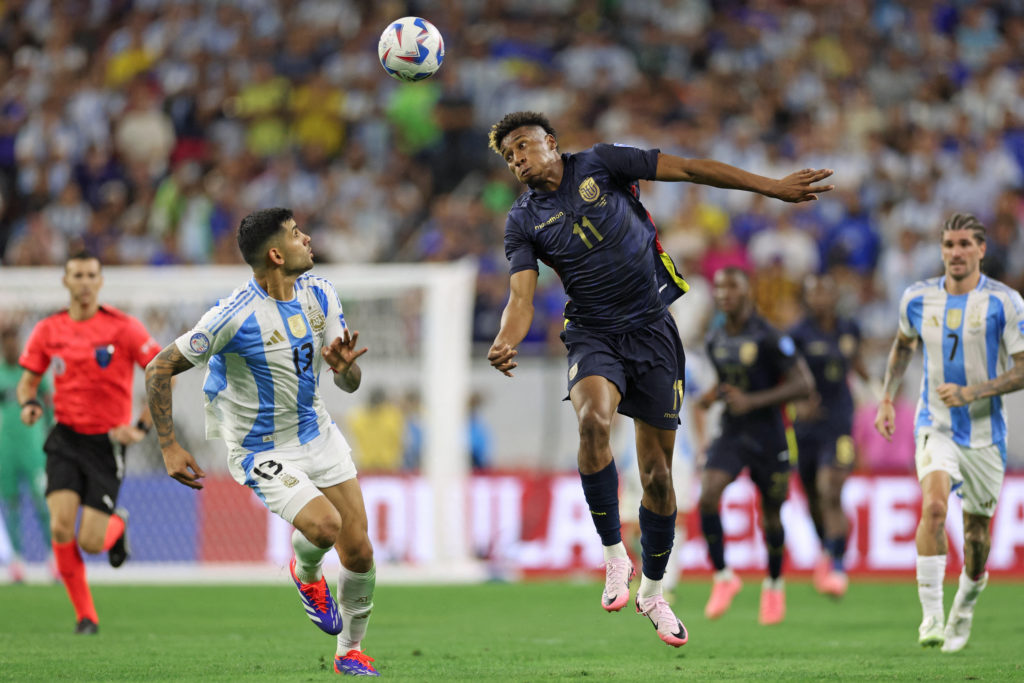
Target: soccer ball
[(411, 49)]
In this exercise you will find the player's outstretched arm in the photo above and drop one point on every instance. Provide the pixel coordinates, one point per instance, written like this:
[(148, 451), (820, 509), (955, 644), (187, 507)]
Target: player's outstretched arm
[(796, 187), (179, 463), (515, 321), (341, 355), (899, 358), (954, 395)]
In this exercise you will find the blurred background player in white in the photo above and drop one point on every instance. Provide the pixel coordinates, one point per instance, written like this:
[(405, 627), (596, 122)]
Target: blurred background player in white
[(264, 348), (970, 325), (22, 460), (824, 423)]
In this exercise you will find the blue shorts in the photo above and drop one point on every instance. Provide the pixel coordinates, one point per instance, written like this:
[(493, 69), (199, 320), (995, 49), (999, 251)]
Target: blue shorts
[(822, 446), (766, 458), (646, 365)]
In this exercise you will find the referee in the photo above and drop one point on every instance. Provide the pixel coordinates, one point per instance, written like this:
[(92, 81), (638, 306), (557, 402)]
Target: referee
[(92, 350)]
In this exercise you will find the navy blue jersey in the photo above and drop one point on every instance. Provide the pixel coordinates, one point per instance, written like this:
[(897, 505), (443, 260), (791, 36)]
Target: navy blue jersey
[(829, 355), (594, 232), (755, 359)]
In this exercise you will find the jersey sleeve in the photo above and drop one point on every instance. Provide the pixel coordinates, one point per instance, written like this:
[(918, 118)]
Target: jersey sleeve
[(627, 164), (208, 337), (335, 315), (34, 357), (142, 347), (518, 249), (1013, 332), (906, 325)]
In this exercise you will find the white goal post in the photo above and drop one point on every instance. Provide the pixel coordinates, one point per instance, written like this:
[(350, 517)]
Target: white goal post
[(416, 320)]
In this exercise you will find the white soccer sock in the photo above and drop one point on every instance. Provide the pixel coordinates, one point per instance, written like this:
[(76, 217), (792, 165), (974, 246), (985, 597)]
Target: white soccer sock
[(648, 587), (673, 570), (615, 551), (723, 574), (967, 593), (308, 558), (355, 596), (931, 569)]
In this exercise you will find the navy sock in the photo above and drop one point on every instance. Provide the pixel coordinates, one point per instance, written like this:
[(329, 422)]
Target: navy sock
[(836, 548), (656, 535), (775, 540), (601, 490), (711, 526)]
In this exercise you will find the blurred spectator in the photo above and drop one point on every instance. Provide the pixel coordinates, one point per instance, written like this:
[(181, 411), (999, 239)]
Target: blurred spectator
[(377, 430), (478, 434)]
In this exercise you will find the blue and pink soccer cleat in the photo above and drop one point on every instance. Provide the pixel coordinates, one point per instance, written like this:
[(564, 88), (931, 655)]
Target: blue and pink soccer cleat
[(319, 603), (354, 663)]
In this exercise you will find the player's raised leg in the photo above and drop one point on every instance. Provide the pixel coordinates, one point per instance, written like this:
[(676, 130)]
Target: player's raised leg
[(657, 529), (317, 526)]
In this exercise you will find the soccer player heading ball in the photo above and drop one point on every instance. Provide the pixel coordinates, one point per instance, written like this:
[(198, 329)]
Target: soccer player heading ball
[(582, 215)]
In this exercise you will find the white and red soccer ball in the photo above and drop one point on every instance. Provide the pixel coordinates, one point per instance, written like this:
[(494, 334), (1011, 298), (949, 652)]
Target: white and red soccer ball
[(411, 49)]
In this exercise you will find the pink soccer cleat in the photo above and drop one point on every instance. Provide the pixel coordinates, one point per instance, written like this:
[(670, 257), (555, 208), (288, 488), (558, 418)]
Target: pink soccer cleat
[(773, 605), (618, 573), (834, 584), (670, 629), (821, 570), (722, 593)]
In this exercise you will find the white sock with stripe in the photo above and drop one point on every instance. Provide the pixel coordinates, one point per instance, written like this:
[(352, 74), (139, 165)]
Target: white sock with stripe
[(308, 558), (355, 597)]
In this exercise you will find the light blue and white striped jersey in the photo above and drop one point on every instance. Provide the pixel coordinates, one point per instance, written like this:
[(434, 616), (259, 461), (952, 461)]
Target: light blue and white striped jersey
[(263, 364), (967, 339)]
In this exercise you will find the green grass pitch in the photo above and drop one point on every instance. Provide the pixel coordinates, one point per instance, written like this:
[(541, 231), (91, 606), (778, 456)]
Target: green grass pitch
[(535, 631)]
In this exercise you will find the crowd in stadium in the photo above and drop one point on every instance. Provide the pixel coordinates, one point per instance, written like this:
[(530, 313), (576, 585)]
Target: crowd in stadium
[(145, 130)]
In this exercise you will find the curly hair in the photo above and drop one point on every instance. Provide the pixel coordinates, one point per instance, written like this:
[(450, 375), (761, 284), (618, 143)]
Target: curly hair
[(965, 221), (516, 120)]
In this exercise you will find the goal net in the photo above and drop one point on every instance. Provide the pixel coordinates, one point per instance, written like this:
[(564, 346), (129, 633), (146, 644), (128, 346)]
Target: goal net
[(415, 320)]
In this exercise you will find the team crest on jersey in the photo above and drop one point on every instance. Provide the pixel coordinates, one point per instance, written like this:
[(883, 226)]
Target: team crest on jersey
[(59, 366), (317, 321), (748, 352), (297, 325), (589, 189), (954, 317), (199, 343), (847, 345), (104, 354)]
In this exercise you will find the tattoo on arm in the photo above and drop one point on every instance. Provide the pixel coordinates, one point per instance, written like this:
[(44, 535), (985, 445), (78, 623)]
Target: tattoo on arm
[(899, 358), (1011, 380), (159, 372)]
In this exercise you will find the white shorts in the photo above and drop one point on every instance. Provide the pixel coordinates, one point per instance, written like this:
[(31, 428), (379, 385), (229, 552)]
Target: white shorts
[(977, 473), (286, 479)]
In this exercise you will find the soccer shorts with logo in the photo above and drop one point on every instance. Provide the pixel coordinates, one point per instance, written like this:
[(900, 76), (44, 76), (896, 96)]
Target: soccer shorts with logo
[(91, 465), (767, 459), (819, 446), (646, 365), (976, 473), (286, 479)]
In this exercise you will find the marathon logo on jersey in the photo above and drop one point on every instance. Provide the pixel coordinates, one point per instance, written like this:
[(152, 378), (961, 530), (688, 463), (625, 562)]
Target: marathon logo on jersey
[(557, 217), (104, 354), (199, 343), (589, 190)]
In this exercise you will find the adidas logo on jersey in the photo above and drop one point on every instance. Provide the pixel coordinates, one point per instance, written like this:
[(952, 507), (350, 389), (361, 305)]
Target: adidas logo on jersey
[(275, 338)]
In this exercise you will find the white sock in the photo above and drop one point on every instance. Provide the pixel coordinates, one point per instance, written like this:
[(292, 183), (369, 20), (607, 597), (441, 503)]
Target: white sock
[(931, 569), (355, 597), (967, 593), (723, 574), (648, 587), (308, 558), (673, 570), (773, 584), (615, 551)]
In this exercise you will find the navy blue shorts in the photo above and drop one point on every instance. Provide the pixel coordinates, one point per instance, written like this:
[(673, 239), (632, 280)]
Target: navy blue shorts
[(766, 458), (646, 365), (822, 446)]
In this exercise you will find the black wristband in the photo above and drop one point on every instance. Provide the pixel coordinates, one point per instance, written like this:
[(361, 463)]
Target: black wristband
[(143, 426), (32, 402)]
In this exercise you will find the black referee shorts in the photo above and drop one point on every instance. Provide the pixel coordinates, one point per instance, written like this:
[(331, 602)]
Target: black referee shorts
[(91, 465)]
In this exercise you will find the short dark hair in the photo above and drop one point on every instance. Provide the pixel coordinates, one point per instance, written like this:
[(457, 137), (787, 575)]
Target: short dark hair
[(515, 120), (82, 255), (965, 221), (257, 229)]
